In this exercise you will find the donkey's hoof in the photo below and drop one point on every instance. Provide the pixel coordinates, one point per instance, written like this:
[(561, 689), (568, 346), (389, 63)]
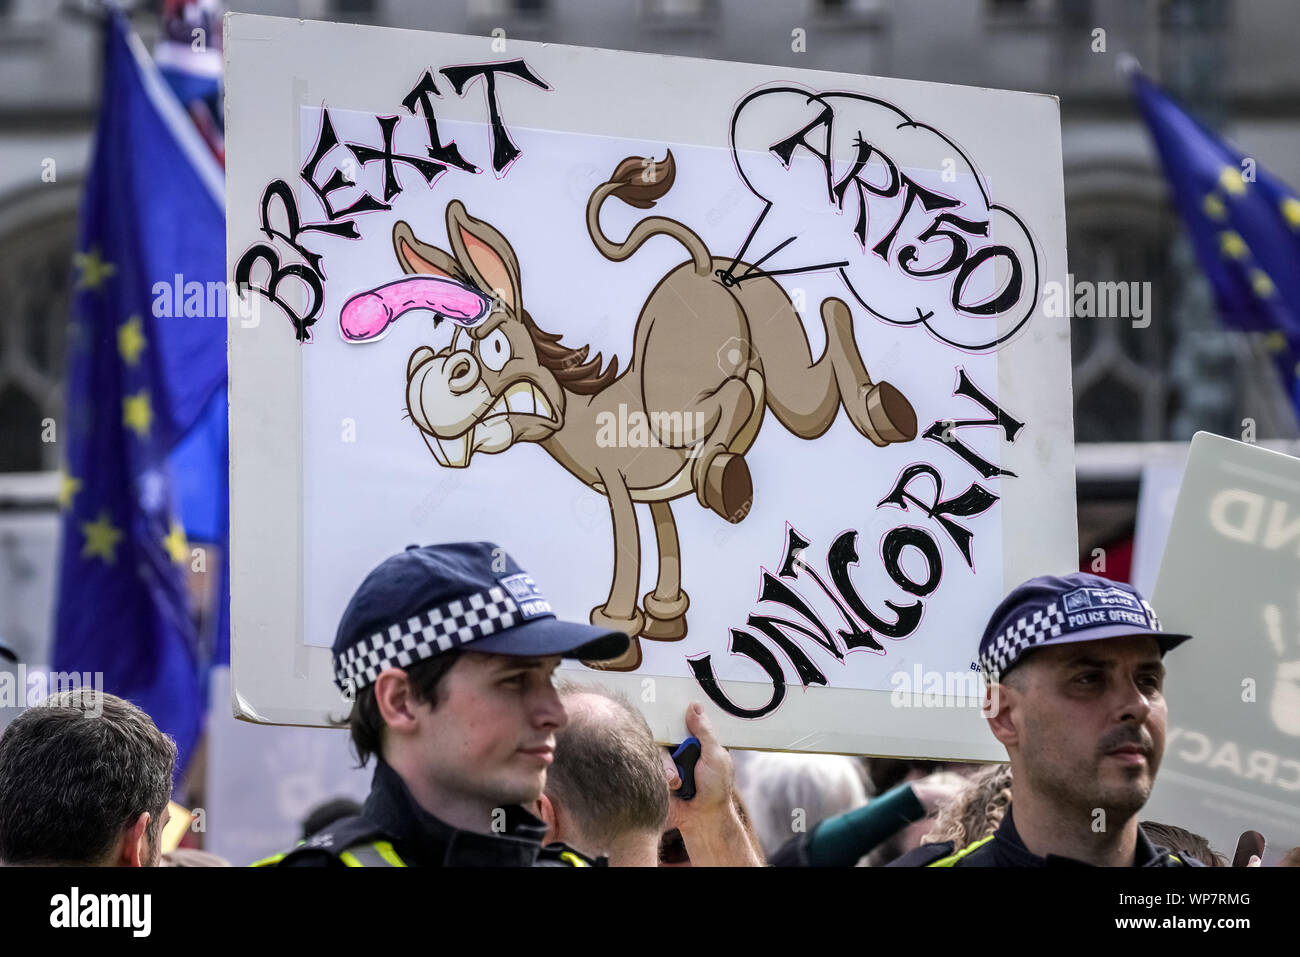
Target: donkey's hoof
[(629, 660), (665, 620), (665, 608), (664, 630), (892, 417), (728, 487), (631, 626)]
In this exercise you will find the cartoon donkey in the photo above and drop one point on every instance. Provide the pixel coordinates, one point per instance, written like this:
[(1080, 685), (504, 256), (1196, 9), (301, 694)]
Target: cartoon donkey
[(709, 355)]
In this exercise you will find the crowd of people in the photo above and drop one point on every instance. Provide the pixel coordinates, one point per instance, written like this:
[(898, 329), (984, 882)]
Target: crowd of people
[(483, 757)]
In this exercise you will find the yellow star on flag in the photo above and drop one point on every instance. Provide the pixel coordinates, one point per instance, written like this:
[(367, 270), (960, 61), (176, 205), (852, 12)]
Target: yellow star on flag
[(177, 547), (1291, 210), (1231, 244), (101, 538), (1214, 207), (1260, 282), (68, 489), (1230, 179), (93, 269), (137, 413), (130, 340)]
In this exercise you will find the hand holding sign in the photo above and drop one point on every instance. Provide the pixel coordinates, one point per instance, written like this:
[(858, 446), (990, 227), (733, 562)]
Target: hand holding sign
[(710, 823), (715, 775)]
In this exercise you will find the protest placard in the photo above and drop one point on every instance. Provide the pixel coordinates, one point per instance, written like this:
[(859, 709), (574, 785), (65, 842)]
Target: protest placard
[(1230, 577), (754, 363)]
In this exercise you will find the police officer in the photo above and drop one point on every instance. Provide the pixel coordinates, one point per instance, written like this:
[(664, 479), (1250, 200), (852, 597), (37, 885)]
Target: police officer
[(1075, 689), (448, 652)]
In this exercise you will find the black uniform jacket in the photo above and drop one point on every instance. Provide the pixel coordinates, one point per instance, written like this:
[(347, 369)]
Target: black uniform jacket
[(394, 831), (1004, 848)]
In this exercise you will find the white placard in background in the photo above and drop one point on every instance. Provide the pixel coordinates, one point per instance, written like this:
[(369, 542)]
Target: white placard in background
[(1230, 577), (262, 782), (1157, 496)]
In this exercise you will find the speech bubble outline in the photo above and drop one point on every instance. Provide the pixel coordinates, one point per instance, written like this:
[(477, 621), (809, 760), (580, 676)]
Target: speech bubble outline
[(1029, 291)]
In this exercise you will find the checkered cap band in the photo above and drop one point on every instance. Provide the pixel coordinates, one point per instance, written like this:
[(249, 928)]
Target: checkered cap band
[(1030, 630), (427, 634), (1025, 632), (1151, 615)]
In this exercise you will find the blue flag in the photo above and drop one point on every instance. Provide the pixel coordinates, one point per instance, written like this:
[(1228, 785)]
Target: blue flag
[(146, 361), (201, 476), (200, 463), (1244, 225)]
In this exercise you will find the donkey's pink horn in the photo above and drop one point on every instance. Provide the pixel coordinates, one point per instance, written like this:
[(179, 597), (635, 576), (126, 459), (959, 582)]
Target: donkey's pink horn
[(368, 314)]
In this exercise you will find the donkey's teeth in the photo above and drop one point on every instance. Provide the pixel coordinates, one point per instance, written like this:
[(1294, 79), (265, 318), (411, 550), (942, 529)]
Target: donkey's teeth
[(456, 450), (540, 402), (520, 398), (436, 448)]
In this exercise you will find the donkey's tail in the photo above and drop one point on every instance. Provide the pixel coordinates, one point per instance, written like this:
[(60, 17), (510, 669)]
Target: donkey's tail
[(640, 181)]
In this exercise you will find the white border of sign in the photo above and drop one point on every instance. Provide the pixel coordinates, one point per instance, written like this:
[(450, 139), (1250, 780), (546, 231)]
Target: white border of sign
[(276, 677)]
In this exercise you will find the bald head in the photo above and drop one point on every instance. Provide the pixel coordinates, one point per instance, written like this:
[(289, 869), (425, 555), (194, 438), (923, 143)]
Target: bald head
[(608, 776)]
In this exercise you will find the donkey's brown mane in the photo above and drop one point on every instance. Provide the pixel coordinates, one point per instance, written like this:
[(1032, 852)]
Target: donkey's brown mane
[(571, 367)]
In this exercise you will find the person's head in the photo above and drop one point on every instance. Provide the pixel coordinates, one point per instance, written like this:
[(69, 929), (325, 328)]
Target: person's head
[(484, 735), (884, 774), (786, 792), (85, 779), (974, 812), (1077, 682), (607, 792), (448, 652), (1184, 843), (326, 813)]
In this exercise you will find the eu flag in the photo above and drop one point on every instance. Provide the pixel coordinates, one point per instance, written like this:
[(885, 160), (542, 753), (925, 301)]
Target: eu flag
[(1244, 225), (146, 359)]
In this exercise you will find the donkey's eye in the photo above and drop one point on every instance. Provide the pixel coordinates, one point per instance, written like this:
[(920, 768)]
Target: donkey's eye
[(494, 350)]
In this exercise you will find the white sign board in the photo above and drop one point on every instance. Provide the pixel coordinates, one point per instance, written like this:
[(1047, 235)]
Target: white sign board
[(263, 782), (752, 363), (1230, 577), (1157, 496)]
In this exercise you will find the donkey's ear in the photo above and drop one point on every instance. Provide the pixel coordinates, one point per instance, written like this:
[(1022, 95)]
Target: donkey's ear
[(485, 254), (418, 257)]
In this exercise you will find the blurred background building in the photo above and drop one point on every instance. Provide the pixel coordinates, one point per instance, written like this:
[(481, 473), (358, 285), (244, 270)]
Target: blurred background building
[(1232, 63)]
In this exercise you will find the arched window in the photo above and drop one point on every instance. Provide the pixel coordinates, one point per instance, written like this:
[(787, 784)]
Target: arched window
[(37, 239), (1118, 231), (1176, 369)]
